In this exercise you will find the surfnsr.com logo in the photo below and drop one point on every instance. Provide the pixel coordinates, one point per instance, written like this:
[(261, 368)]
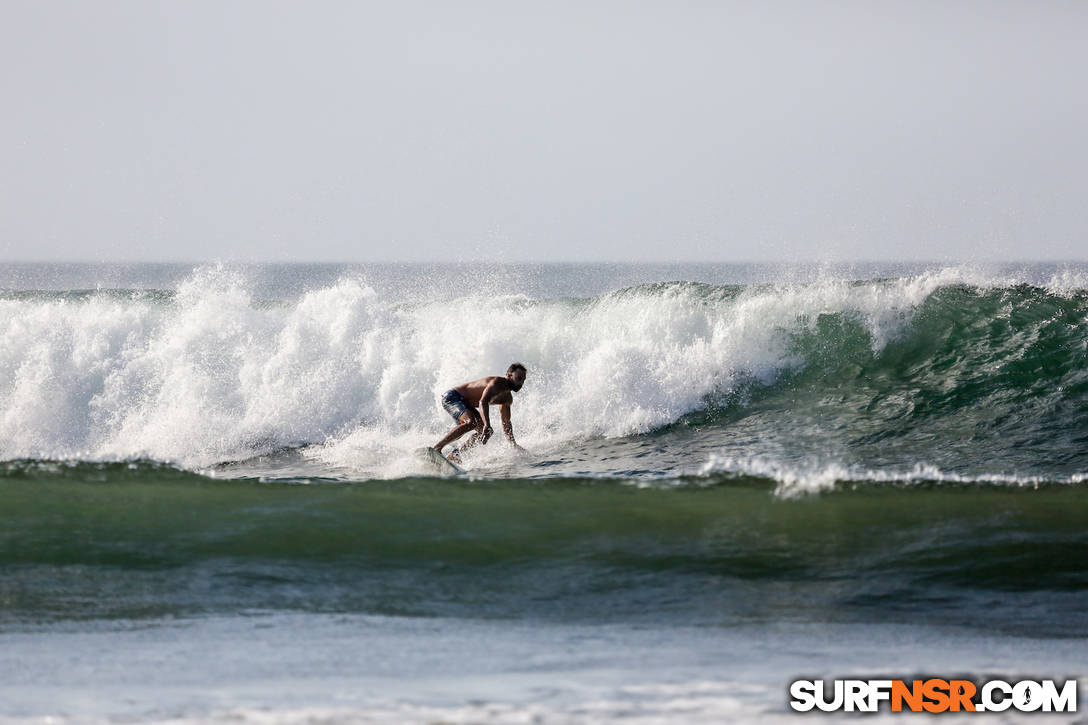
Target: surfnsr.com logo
[(933, 695)]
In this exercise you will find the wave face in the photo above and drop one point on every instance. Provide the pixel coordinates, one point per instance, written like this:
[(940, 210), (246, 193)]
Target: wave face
[(141, 540), (971, 375)]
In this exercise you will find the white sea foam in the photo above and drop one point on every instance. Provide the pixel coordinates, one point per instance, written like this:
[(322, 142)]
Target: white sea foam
[(796, 479), (293, 667), (698, 703), (212, 375), (694, 703)]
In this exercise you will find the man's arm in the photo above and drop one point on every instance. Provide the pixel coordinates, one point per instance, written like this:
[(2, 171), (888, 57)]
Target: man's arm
[(507, 427), (485, 402)]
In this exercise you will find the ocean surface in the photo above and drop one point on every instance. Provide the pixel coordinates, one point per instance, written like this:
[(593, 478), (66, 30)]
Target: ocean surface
[(736, 476)]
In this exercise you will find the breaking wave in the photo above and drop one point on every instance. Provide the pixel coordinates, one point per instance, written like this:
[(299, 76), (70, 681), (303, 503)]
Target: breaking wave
[(209, 373)]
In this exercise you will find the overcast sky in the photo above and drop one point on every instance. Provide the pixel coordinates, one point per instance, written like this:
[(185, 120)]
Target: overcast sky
[(726, 131)]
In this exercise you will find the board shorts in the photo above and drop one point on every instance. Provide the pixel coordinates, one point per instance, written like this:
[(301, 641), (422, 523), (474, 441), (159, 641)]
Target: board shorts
[(454, 404)]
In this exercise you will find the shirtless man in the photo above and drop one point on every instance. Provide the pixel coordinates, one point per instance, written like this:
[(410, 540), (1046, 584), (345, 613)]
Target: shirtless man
[(461, 401)]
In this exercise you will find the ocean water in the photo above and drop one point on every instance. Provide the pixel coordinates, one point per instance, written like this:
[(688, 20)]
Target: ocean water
[(737, 475)]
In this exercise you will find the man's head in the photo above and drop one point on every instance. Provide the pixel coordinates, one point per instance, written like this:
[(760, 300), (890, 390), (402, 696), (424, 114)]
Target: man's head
[(516, 375)]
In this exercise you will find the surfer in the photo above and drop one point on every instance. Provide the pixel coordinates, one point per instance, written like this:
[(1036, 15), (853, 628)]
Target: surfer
[(461, 403)]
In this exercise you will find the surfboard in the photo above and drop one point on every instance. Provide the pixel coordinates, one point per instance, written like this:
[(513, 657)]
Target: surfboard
[(439, 461)]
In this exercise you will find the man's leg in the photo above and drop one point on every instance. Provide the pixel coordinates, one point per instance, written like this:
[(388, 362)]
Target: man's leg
[(474, 439), (456, 432), (465, 423)]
